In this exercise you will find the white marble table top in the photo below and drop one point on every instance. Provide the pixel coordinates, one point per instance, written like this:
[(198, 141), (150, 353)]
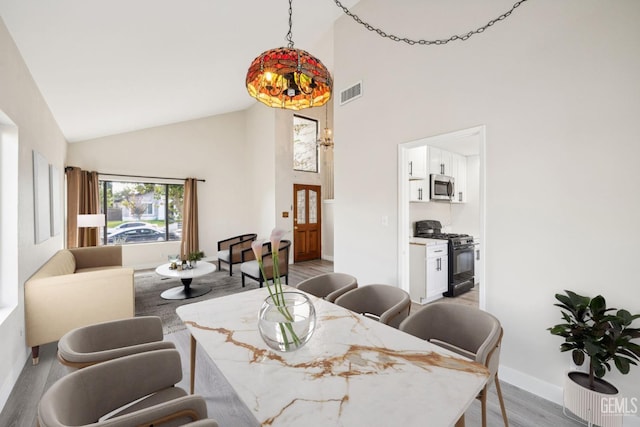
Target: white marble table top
[(353, 372), (200, 269)]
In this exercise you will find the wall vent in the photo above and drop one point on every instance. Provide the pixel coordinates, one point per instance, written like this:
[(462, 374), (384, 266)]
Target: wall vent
[(351, 93)]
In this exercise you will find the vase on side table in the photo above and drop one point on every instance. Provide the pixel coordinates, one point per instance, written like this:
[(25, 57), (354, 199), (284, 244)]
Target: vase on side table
[(287, 326)]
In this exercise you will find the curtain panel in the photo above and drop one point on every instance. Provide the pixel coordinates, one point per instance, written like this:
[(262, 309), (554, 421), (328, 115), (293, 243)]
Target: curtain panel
[(83, 197), (190, 241)]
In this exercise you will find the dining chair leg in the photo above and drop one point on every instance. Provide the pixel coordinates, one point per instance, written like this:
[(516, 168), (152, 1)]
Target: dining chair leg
[(193, 364), (483, 404), (502, 407), (243, 280)]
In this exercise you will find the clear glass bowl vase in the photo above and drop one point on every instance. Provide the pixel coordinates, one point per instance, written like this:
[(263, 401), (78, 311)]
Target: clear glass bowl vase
[(289, 324)]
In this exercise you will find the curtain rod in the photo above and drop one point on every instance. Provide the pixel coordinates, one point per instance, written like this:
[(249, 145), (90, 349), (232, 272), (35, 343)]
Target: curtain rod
[(141, 176)]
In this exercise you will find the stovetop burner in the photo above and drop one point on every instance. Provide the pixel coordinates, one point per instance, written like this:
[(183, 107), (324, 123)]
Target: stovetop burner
[(432, 229)]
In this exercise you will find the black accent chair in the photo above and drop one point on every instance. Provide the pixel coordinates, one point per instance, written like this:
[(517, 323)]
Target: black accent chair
[(250, 268), (230, 250)]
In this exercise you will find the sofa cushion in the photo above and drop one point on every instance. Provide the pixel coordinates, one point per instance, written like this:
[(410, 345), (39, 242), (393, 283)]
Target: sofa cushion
[(84, 270), (62, 262)]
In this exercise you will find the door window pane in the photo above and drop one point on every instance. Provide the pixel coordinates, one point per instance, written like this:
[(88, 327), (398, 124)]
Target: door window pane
[(313, 207), (301, 208)]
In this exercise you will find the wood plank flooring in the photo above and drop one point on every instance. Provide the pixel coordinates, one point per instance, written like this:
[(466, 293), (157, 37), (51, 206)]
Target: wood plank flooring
[(524, 409)]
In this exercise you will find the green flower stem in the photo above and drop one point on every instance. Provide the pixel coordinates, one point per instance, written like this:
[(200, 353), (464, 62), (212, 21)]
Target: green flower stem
[(277, 296)]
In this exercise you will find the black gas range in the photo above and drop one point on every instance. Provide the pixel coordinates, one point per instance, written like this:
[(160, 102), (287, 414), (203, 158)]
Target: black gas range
[(460, 259)]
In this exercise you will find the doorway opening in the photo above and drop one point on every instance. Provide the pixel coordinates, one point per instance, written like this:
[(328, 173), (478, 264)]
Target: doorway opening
[(468, 217)]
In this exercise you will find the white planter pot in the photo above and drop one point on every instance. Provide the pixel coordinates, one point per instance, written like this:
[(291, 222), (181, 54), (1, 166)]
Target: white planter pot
[(589, 405)]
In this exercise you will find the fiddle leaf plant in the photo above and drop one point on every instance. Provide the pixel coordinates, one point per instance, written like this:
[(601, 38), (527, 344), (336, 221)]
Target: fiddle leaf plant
[(601, 334)]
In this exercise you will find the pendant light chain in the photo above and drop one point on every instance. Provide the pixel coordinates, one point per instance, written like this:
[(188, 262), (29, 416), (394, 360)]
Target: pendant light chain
[(462, 37), (290, 34)]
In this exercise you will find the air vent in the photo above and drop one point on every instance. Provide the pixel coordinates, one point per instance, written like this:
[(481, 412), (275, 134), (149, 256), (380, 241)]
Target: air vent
[(351, 93)]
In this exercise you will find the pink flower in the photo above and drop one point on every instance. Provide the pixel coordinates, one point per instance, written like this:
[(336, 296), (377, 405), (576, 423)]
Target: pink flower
[(276, 235), (256, 246)]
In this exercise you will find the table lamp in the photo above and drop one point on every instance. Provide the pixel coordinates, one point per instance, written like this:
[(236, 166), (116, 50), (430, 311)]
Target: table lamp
[(91, 221)]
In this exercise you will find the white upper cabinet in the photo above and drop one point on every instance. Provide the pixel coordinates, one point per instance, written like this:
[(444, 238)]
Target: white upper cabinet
[(443, 162), (459, 172), (418, 162), (440, 161), (419, 190)]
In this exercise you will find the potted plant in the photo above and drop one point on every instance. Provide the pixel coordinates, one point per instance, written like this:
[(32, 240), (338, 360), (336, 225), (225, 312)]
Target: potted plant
[(194, 257), (602, 336)]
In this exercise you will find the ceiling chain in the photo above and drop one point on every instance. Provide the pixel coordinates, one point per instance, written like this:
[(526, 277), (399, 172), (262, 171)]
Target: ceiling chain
[(290, 34), (460, 37)]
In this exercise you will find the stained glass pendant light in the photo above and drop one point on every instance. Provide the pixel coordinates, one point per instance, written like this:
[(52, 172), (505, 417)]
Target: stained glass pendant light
[(289, 78)]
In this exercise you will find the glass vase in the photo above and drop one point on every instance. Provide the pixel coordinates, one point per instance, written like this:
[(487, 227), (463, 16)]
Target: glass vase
[(287, 326)]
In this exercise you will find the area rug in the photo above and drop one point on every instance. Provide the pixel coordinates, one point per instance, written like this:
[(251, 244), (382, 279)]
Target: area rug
[(149, 286)]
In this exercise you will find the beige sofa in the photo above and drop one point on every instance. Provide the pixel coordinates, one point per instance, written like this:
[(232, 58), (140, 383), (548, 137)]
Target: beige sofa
[(76, 287)]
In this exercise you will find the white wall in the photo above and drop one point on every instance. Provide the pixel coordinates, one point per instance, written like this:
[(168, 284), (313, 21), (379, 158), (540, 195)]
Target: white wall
[(22, 103), (212, 148), (557, 87)]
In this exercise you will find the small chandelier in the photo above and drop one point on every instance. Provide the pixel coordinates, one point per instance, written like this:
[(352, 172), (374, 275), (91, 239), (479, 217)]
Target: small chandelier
[(327, 135), (289, 78)]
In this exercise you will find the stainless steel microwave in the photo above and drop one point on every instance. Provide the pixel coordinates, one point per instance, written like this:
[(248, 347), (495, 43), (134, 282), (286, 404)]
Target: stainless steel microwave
[(442, 187)]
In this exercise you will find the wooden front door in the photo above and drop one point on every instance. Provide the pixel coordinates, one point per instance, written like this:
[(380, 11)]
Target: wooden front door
[(306, 222)]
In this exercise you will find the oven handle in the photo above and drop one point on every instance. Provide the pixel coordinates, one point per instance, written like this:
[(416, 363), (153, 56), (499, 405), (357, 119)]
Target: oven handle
[(467, 246)]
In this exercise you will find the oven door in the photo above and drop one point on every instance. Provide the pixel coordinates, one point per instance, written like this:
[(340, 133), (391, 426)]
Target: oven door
[(442, 187), (462, 264)]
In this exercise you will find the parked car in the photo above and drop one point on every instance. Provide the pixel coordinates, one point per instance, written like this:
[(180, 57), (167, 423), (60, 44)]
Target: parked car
[(131, 224), (138, 235)]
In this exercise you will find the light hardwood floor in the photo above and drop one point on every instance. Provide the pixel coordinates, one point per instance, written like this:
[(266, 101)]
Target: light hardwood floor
[(523, 408)]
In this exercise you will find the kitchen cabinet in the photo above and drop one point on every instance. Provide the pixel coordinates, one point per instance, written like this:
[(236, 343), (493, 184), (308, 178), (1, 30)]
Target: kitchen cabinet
[(459, 172), (428, 271), (417, 162), (437, 271), (440, 161), (419, 190)]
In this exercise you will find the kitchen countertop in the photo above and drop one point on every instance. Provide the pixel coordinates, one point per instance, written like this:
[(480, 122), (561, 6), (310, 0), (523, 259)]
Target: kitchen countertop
[(426, 242)]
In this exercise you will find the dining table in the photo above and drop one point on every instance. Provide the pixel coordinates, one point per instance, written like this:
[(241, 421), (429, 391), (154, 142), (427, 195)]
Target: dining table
[(354, 371)]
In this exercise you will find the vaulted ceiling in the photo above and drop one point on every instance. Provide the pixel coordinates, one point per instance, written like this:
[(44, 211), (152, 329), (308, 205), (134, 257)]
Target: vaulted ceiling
[(106, 67)]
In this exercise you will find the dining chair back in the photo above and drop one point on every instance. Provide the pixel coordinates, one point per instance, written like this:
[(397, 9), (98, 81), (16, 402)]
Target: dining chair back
[(387, 304), (467, 331), (104, 341), (98, 396), (329, 285)]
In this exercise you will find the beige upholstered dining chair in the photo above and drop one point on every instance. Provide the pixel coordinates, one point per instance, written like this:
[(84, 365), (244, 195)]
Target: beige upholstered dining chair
[(104, 341), (250, 266), (467, 331), (230, 250), (329, 285), (388, 304), (136, 390)]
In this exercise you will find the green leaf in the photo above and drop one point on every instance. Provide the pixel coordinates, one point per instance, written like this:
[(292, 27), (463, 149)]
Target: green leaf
[(622, 364), (578, 357)]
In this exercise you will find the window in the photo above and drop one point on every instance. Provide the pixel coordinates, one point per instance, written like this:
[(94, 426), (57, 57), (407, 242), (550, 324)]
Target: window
[(9, 159), (139, 212), (305, 148)]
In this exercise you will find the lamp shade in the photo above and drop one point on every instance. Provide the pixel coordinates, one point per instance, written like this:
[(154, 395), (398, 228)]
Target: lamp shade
[(91, 220), (289, 78)]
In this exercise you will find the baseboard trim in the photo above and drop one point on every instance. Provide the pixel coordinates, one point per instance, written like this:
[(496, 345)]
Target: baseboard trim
[(531, 384), (11, 379), (327, 258)]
